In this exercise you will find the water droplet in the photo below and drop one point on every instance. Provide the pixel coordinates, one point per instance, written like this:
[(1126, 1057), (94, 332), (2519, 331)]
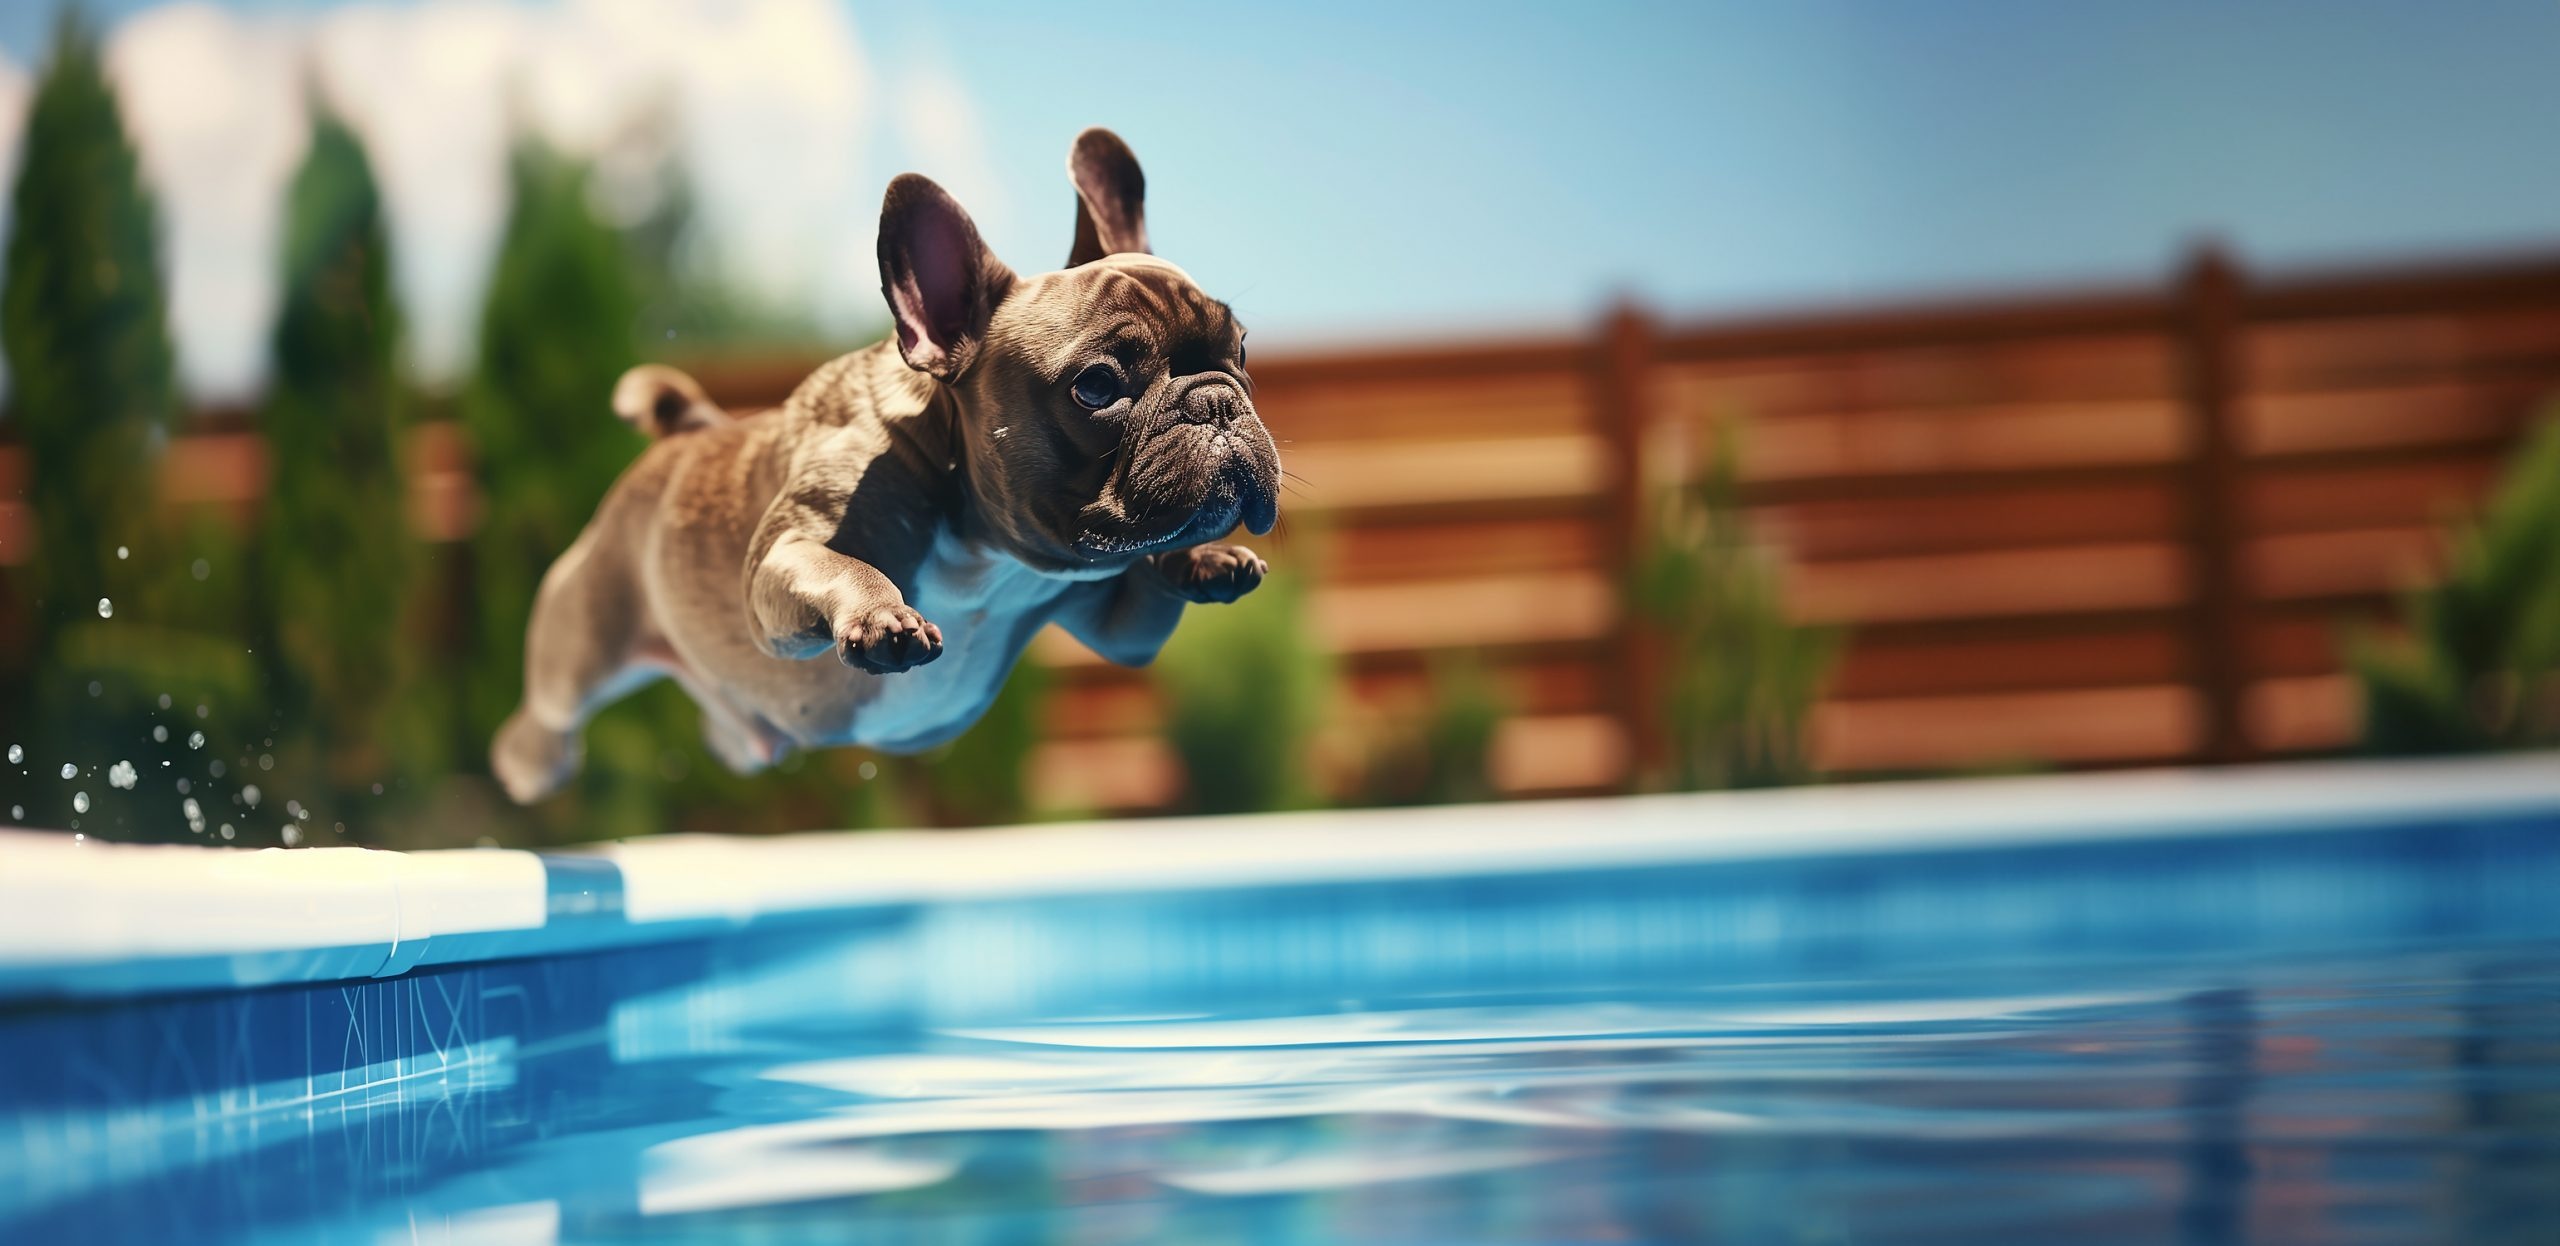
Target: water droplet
[(870, 771), (18, 754), (164, 700), (250, 794), (106, 608), (79, 802), (202, 711), (96, 688), (194, 810), (266, 761), (122, 776), (159, 734), (195, 739), (183, 785), (122, 553), (79, 839), (227, 832), (70, 771), (203, 570), (17, 813), (377, 789), (292, 836), (217, 767)]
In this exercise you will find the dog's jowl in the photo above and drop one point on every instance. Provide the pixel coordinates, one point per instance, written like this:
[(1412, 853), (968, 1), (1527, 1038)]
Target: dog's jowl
[(863, 564)]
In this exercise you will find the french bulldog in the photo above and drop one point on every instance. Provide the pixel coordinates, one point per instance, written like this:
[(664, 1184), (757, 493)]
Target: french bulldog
[(1063, 448)]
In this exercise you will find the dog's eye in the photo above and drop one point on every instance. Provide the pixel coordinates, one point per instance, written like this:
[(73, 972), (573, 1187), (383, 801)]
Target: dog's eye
[(1096, 387)]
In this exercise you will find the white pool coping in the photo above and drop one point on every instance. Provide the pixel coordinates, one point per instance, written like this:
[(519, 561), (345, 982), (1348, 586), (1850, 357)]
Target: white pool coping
[(65, 904)]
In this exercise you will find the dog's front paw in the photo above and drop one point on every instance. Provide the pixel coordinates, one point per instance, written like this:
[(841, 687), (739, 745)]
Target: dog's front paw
[(888, 639), (1212, 573)]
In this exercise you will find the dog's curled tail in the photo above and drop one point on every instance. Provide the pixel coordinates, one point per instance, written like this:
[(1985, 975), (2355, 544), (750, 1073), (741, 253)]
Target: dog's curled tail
[(662, 402)]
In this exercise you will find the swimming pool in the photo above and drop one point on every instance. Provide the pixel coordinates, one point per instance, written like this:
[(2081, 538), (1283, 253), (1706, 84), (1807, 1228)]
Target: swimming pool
[(2302, 1003)]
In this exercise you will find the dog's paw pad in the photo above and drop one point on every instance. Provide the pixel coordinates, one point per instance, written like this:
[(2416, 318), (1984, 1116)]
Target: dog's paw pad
[(888, 639), (1214, 573)]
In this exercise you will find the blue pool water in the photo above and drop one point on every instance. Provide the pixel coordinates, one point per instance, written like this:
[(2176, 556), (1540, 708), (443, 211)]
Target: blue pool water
[(2319, 1035)]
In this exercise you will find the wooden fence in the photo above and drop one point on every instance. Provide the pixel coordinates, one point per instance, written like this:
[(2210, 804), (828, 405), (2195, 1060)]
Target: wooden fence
[(2105, 529)]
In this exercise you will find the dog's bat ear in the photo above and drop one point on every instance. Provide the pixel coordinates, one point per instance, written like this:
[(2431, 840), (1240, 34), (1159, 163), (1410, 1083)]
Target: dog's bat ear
[(1111, 197), (941, 282)]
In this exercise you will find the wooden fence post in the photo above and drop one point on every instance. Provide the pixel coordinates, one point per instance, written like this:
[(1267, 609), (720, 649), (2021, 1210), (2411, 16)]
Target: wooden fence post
[(2209, 326), (1622, 389)]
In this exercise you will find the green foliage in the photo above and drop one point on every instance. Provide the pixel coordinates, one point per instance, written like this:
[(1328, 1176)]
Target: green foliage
[(84, 323), (337, 559), (2479, 667), (555, 334), (1743, 677), (1442, 754), (1245, 689)]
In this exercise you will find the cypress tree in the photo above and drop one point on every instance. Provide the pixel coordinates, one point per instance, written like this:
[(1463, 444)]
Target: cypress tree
[(129, 613), (337, 556), (84, 322), (555, 334)]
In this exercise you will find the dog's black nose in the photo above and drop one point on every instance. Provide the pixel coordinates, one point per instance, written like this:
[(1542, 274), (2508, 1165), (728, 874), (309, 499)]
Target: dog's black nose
[(1211, 401)]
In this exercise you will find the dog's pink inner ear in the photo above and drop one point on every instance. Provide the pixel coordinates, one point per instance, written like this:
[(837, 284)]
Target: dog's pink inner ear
[(933, 297)]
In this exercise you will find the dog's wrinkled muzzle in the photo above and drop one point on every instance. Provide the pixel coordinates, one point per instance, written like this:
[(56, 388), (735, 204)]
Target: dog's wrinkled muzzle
[(1245, 464), (1204, 465)]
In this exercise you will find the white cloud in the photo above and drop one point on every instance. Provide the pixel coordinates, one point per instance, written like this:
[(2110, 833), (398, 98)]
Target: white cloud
[(770, 100), (938, 127), (213, 103), (15, 89)]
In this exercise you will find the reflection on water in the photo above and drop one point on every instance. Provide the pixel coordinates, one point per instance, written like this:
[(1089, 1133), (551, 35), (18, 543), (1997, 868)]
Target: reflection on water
[(2414, 1097)]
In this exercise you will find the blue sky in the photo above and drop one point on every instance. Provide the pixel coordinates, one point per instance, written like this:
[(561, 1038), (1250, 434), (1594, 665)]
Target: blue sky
[(1368, 172)]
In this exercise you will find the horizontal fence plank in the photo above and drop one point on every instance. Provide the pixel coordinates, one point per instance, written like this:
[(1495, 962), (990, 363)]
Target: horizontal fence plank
[(2096, 514), (2441, 413), (1391, 474), (2319, 497), (2113, 654), (2345, 563), (1993, 584), (2080, 726), (1916, 441)]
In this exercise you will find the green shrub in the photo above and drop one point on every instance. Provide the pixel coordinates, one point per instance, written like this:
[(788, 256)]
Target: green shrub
[(1441, 753), (336, 558), (2479, 666), (1245, 689), (1742, 677)]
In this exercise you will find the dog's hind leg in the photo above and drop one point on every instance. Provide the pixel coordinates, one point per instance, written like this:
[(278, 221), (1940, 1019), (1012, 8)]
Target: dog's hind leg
[(740, 738), (582, 651)]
